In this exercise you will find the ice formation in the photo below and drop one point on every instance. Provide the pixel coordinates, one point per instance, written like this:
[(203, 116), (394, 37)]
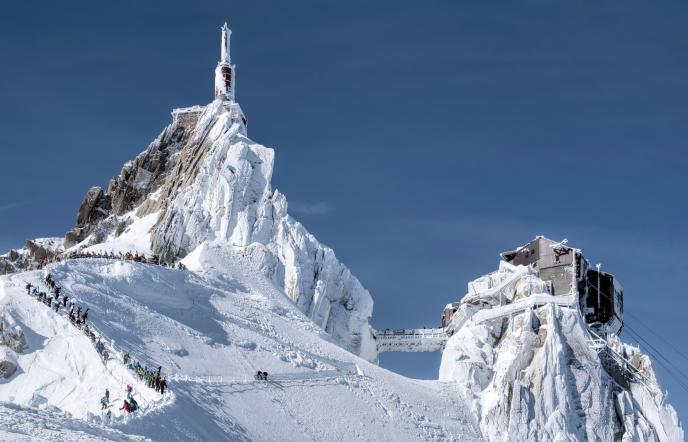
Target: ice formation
[(531, 369)]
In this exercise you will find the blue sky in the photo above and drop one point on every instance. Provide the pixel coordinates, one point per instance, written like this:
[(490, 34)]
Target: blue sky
[(418, 139)]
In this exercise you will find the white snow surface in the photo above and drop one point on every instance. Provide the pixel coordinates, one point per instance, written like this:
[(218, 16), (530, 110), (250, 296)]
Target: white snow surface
[(135, 238), (230, 201), (47, 423), (210, 331), (533, 374)]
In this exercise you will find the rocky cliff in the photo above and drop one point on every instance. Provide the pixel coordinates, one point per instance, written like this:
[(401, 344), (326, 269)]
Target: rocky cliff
[(203, 180), (31, 255)]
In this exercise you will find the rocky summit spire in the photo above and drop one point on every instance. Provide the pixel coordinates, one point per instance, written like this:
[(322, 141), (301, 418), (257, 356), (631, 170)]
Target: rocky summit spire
[(224, 72)]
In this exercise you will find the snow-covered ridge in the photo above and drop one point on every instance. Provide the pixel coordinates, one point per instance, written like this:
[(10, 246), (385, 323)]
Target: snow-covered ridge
[(210, 332), (202, 182)]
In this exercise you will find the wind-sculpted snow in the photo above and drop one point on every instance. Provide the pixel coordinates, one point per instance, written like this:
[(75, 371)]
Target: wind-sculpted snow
[(214, 187), (533, 375), (210, 332), (47, 423)]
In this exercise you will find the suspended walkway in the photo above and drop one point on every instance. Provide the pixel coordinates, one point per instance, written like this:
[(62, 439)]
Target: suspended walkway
[(434, 339), (410, 340)]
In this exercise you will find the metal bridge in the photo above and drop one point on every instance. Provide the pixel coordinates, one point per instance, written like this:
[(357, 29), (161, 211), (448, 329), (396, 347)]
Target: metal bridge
[(434, 339), (411, 340)]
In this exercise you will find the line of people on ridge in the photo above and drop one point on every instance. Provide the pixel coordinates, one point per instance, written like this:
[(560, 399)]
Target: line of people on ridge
[(53, 301), (78, 319), (128, 256), (57, 299), (152, 378)]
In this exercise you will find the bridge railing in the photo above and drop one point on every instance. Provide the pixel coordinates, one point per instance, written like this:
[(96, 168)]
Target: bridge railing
[(414, 332)]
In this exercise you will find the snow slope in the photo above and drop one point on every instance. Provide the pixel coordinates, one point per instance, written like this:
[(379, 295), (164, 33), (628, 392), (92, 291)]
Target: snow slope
[(211, 331), (205, 181), (46, 423)]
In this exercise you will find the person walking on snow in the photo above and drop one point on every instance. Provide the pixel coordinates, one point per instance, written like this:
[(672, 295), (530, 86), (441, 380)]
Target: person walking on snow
[(103, 403), (100, 347), (126, 407)]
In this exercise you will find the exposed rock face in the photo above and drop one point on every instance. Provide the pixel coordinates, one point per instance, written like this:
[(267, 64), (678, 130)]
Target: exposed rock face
[(209, 182), (12, 340), (98, 215), (144, 175), (13, 261), (94, 207), (11, 334), (35, 251), (8, 365)]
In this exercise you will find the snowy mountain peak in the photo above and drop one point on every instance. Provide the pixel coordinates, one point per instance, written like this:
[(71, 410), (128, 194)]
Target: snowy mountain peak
[(203, 181)]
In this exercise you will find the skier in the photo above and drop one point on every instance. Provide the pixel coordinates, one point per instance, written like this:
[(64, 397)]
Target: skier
[(85, 315), (126, 357), (107, 394), (163, 384), (129, 392), (103, 403), (64, 303), (133, 405), (28, 288)]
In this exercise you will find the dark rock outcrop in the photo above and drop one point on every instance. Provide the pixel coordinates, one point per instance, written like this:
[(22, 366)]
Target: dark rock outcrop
[(30, 257), (94, 207), (99, 211)]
